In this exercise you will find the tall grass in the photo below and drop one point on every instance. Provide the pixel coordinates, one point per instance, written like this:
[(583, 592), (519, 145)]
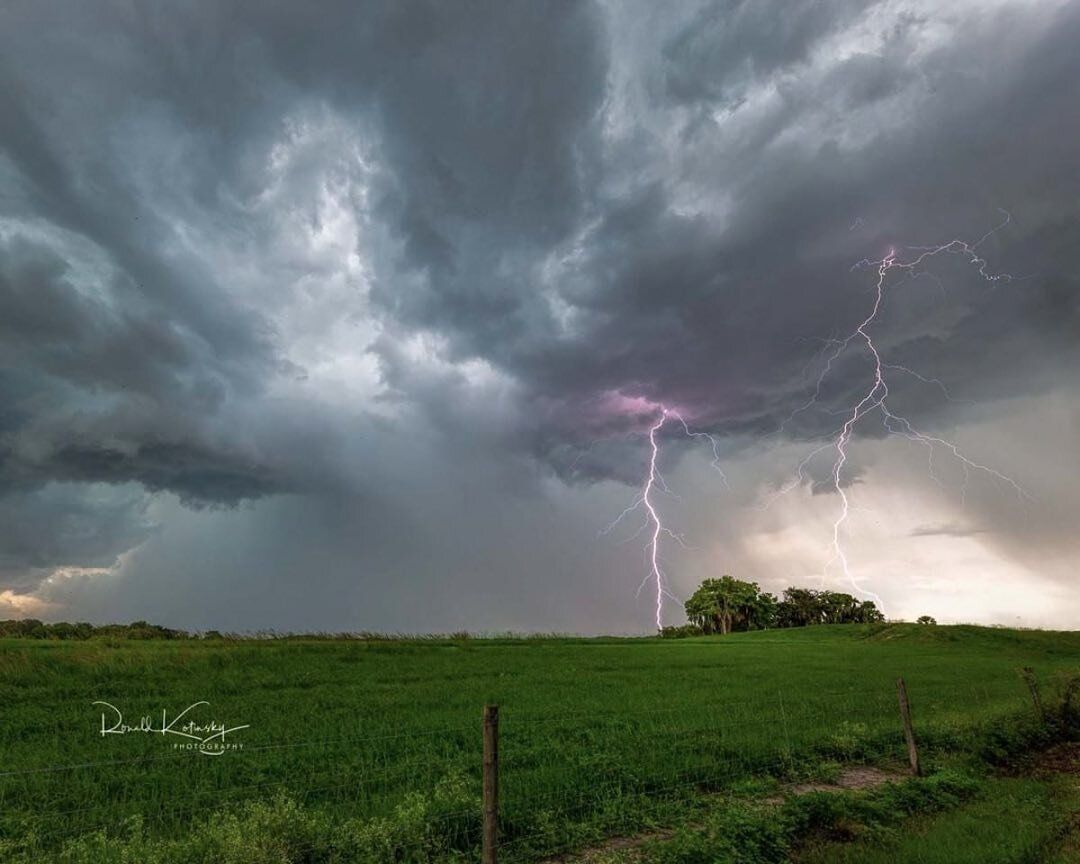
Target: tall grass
[(364, 737)]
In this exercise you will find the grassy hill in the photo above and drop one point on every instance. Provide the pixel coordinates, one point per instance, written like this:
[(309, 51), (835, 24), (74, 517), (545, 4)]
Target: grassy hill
[(381, 739)]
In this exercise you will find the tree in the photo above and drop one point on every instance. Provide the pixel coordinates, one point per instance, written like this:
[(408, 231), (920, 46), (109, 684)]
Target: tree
[(869, 613), (925, 619), (837, 608), (803, 607), (799, 607), (763, 613), (724, 605)]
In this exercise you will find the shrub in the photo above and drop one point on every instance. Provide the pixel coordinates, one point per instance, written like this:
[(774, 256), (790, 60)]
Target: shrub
[(681, 632)]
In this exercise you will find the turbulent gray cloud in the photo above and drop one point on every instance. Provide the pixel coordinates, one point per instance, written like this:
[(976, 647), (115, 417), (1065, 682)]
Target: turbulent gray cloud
[(365, 258), (64, 526)]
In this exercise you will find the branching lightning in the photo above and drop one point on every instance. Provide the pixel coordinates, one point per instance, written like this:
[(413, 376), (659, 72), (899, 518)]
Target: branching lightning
[(875, 398), (652, 485)]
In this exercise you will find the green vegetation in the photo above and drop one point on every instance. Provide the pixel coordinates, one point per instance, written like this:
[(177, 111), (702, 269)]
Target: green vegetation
[(32, 628), (742, 832), (368, 750), (952, 817), (723, 605), (1011, 821), (728, 605)]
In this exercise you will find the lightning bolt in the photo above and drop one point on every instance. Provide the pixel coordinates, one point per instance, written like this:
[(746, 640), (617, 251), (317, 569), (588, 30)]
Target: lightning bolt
[(658, 527), (875, 398), (652, 485)]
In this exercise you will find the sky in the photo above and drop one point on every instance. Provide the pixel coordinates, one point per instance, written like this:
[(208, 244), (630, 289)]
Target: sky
[(356, 316)]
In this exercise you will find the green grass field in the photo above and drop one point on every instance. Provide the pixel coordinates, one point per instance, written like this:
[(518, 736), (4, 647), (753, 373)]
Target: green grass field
[(1012, 821), (370, 750)]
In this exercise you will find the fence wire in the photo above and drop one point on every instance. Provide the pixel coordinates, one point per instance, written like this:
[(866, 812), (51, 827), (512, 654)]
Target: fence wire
[(565, 778)]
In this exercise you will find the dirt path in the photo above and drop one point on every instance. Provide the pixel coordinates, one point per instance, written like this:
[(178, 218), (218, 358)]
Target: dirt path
[(853, 778)]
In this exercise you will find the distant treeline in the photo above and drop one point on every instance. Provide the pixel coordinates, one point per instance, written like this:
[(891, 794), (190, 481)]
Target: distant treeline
[(31, 628), (723, 605), (727, 605)]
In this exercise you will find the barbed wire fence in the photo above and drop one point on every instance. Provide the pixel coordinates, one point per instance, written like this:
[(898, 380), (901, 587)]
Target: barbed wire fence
[(516, 787)]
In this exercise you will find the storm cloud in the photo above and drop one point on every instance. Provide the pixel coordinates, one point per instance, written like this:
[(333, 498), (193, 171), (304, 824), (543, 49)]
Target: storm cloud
[(321, 310)]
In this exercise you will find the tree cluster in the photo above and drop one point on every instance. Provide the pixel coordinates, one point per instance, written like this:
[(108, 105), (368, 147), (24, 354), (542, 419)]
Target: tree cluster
[(31, 628), (726, 605)]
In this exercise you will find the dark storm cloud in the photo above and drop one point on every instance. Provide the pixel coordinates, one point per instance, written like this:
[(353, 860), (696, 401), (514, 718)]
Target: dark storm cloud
[(723, 318), (554, 206), (61, 526), (471, 178), (99, 392), (134, 371), (76, 339), (727, 45)]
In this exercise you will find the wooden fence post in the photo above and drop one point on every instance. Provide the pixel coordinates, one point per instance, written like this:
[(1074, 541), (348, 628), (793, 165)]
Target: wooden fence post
[(909, 732), (1066, 701), (1028, 674), (491, 784)]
